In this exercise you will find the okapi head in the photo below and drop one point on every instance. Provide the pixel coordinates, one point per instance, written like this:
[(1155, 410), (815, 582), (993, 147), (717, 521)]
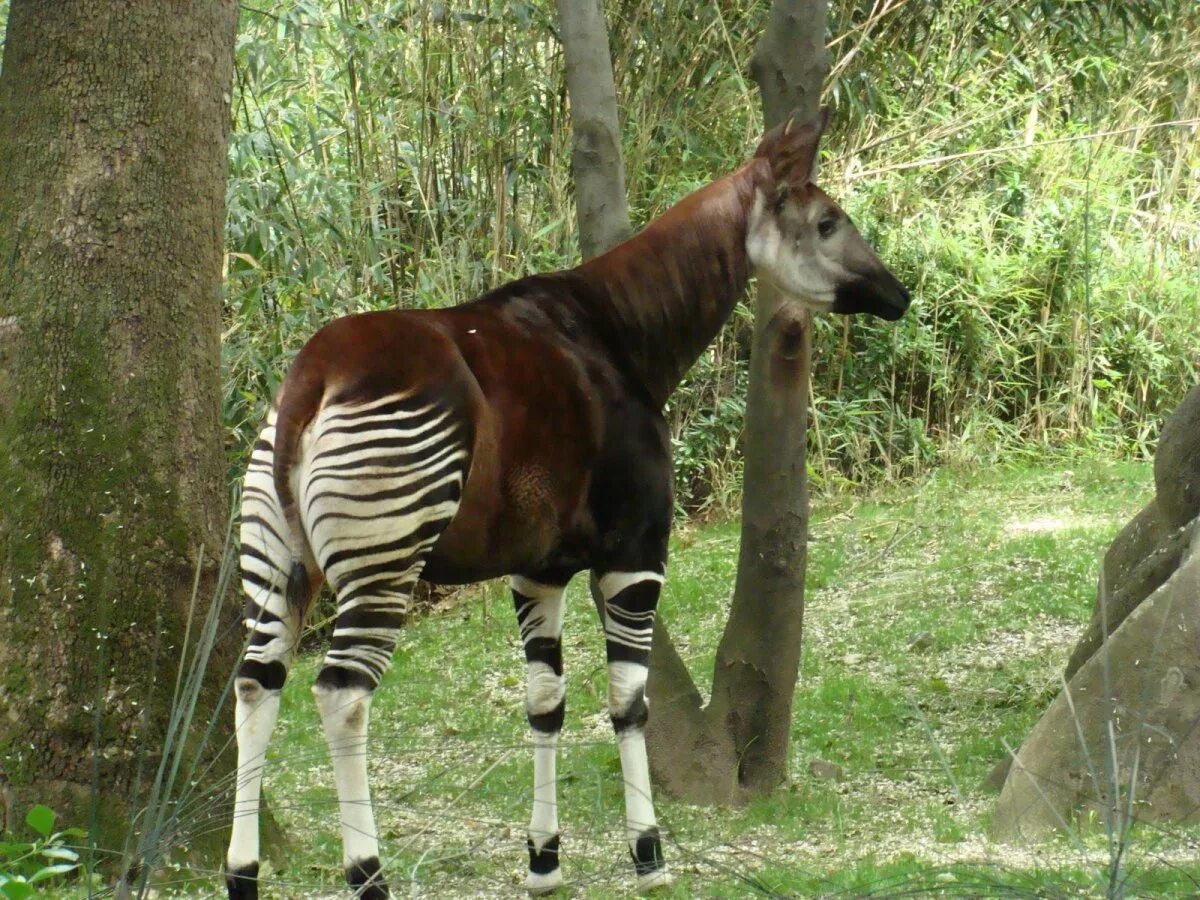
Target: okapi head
[(802, 242)]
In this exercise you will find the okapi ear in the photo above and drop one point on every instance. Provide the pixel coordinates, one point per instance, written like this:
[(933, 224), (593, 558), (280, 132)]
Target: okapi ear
[(793, 151), (769, 144)]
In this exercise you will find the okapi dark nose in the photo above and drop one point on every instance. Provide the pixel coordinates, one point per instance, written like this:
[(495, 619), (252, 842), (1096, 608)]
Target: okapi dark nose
[(897, 309), (896, 305)]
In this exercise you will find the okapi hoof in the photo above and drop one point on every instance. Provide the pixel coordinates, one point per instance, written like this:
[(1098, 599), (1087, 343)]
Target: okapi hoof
[(648, 861), (659, 878), (242, 882), (544, 876), (366, 880)]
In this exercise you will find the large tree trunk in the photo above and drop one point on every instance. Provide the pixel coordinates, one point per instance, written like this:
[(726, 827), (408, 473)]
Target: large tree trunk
[(596, 162), (114, 120), (738, 744)]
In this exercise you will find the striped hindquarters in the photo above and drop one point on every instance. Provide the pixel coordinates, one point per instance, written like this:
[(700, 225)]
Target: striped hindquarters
[(378, 484), (265, 561)]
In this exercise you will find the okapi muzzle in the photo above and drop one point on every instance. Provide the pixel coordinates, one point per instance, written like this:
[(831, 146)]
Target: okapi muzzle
[(871, 287)]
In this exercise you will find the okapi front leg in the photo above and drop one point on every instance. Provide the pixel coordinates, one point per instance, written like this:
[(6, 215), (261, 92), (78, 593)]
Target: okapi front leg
[(630, 601), (540, 615)]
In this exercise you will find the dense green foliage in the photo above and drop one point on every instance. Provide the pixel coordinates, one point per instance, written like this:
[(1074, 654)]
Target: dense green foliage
[(411, 154)]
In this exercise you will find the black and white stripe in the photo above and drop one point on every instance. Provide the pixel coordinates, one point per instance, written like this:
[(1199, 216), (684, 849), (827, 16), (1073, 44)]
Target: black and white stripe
[(539, 609), (265, 563), (378, 484), (630, 603)]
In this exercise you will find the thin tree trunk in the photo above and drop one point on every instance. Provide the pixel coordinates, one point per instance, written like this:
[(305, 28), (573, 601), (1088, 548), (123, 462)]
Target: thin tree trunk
[(596, 163), (790, 61), (738, 744), (114, 121)]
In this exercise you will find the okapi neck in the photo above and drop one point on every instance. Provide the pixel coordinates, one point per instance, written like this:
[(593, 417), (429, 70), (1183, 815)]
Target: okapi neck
[(673, 285)]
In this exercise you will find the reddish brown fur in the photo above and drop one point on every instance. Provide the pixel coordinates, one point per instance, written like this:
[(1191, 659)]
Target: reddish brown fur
[(547, 371), (561, 378), (540, 368)]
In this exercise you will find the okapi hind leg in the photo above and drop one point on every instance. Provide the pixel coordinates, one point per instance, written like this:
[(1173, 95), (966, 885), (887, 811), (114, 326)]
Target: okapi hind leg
[(257, 687), (344, 703), (381, 481), (630, 602), (539, 609), (365, 634), (277, 597)]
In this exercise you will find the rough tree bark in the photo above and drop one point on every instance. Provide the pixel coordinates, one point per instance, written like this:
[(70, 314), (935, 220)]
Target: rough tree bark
[(596, 163), (114, 121), (737, 745)]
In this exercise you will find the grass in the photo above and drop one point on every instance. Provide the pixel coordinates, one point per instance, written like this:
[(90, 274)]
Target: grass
[(940, 615)]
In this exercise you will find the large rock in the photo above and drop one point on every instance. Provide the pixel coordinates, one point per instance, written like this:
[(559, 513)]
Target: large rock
[(1151, 546), (1142, 688), (1134, 543), (1177, 463), (1149, 550), (1144, 555)]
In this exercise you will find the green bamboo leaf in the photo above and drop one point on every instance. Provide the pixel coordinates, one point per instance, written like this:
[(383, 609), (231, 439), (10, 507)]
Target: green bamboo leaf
[(47, 872), (41, 820), (59, 853)]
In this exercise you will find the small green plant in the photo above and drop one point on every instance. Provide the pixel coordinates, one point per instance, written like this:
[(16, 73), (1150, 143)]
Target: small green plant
[(27, 867)]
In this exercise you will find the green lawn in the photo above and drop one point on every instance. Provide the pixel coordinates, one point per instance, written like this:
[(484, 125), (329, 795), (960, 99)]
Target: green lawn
[(939, 617)]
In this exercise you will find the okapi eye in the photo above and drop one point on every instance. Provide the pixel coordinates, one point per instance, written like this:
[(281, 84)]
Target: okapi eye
[(827, 226)]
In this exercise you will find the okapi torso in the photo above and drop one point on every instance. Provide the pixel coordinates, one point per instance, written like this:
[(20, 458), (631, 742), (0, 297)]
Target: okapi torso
[(519, 434)]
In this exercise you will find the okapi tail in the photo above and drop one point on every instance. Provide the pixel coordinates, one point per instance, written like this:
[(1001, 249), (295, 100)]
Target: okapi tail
[(298, 586), (299, 400)]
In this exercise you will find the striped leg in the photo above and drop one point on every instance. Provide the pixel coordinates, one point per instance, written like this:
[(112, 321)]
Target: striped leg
[(540, 615), (630, 601), (381, 484), (274, 625), (365, 634)]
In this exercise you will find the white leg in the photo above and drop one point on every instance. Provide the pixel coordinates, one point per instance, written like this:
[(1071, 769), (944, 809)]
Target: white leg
[(630, 601), (274, 627), (539, 610), (345, 712), (255, 716)]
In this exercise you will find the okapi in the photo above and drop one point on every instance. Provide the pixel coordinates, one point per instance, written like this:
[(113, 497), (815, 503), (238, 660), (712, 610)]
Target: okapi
[(519, 434)]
